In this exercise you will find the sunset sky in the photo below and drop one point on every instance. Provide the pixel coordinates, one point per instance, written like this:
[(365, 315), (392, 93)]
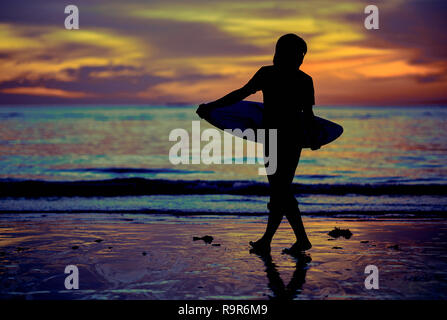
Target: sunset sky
[(160, 52)]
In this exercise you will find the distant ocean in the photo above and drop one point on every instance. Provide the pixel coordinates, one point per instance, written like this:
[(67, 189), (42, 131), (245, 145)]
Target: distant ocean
[(389, 161)]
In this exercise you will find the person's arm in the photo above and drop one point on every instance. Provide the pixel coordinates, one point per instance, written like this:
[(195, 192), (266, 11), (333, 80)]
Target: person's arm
[(233, 97)]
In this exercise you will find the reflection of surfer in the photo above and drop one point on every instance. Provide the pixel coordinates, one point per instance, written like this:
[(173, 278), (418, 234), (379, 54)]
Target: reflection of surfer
[(280, 290), (288, 99)]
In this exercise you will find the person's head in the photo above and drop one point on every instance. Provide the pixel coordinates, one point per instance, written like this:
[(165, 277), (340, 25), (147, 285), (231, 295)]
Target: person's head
[(289, 52)]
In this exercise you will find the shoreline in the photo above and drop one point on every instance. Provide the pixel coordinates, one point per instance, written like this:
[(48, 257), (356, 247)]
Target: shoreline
[(434, 206), (356, 215), (138, 186)]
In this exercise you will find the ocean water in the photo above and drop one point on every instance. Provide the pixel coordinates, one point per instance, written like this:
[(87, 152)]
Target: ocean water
[(114, 158)]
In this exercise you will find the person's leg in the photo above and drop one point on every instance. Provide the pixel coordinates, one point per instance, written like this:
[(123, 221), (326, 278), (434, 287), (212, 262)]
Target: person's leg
[(292, 212), (302, 241), (274, 220), (282, 199), (275, 213), (273, 223)]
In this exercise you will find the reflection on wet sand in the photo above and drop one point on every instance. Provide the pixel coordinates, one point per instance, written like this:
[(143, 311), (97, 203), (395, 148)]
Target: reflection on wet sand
[(275, 282), (143, 256)]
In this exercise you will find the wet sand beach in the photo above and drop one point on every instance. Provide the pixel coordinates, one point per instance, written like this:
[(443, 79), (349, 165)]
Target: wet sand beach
[(138, 256)]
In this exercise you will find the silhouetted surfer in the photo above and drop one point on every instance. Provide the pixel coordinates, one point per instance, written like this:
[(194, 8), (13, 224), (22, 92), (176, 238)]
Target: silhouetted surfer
[(288, 99)]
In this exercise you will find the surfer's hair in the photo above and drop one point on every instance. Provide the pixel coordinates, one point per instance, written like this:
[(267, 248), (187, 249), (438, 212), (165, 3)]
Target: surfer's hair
[(289, 52)]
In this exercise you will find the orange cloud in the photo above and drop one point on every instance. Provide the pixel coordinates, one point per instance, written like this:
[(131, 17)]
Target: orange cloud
[(172, 51), (42, 91)]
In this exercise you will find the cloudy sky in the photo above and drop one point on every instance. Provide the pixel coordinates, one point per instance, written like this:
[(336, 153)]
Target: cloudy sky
[(190, 51)]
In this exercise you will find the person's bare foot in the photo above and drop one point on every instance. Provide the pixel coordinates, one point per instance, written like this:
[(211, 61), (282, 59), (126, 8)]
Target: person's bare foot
[(298, 247), (260, 246)]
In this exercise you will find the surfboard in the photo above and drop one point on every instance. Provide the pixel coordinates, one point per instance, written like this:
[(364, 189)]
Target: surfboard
[(249, 114)]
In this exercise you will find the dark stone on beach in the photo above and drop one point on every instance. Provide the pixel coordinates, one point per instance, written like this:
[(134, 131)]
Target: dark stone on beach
[(110, 247), (98, 240), (395, 247), (206, 239), (216, 244), (2, 253), (144, 253), (75, 247), (330, 239), (364, 241), (20, 249), (337, 232), (337, 248)]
